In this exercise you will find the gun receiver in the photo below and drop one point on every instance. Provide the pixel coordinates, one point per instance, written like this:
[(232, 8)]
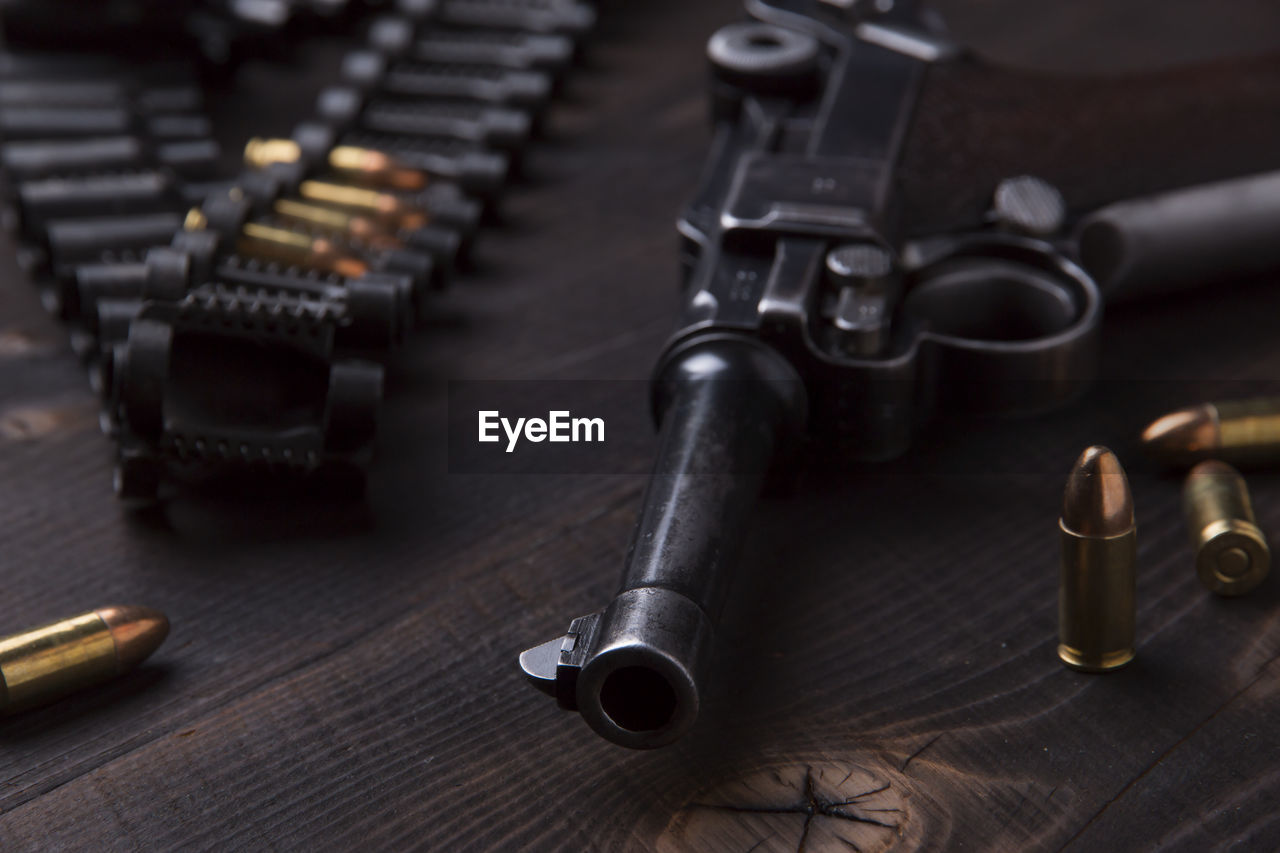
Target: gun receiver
[(868, 247)]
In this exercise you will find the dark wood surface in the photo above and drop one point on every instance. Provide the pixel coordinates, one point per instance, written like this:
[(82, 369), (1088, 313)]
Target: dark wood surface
[(344, 677)]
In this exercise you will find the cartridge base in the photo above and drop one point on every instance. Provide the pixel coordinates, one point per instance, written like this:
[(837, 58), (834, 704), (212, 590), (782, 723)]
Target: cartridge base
[(1114, 660), (1232, 557)]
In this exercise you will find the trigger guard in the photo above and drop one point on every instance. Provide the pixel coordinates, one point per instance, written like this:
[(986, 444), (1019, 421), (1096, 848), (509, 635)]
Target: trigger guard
[(1007, 324)]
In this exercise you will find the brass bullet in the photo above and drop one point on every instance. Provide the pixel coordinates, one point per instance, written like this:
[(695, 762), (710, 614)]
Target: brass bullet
[(268, 242), (1232, 556), (387, 207), (57, 659), (375, 167), (364, 165), (1242, 432), (261, 153), (195, 220), (1096, 605), (362, 227), (291, 247)]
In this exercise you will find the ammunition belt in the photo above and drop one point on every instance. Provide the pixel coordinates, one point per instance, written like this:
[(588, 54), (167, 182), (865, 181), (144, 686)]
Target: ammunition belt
[(239, 323)]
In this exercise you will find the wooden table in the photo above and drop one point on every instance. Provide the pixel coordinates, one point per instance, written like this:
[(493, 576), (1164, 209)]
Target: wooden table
[(344, 676)]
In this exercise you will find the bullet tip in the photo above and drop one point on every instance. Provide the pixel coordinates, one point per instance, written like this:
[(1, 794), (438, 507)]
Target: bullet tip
[(137, 632), (1097, 500), (1183, 434)]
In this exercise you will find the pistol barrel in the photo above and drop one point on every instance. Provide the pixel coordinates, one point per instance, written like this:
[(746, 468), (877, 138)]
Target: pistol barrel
[(726, 405)]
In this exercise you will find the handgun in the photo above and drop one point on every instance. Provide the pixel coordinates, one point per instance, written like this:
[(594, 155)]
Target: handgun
[(888, 228)]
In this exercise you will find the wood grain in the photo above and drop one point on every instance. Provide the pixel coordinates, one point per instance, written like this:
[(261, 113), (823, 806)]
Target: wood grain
[(344, 677)]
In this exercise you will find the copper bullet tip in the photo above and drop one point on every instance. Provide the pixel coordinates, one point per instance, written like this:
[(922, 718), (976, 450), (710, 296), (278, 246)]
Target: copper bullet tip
[(1182, 434), (136, 631), (1097, 500)]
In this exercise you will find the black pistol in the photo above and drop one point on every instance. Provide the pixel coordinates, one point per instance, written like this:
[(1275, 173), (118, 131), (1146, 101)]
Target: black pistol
[(888, 227)]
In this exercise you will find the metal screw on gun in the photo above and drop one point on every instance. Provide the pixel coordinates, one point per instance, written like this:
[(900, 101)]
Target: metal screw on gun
[(1029, 205), (755, 49), (864, 274), (1232, 556)]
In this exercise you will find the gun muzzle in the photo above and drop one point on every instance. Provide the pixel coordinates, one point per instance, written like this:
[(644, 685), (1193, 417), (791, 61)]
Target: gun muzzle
[(636, 670)]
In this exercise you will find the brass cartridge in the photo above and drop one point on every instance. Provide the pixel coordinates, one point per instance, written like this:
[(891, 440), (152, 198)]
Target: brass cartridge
[(375, 167), (363, 165), (268, 242), (260, 153), (1096, 604), (386, 207), (1232, 555), (51, 661), (1240, 432), (368, 230)]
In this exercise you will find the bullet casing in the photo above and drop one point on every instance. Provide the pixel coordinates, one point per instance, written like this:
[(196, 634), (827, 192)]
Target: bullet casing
[(364, 165), (54, 660), (1096, 594), (1096, 600), (1249, 429), (291, 247), (261, 153), (369, 230), (1239, 432), (1232, 555), (385, 206), (368, 165)]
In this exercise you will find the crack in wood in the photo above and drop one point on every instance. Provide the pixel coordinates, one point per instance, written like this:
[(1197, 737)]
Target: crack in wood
[(916, 754), (854, 799), (813, 805)]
